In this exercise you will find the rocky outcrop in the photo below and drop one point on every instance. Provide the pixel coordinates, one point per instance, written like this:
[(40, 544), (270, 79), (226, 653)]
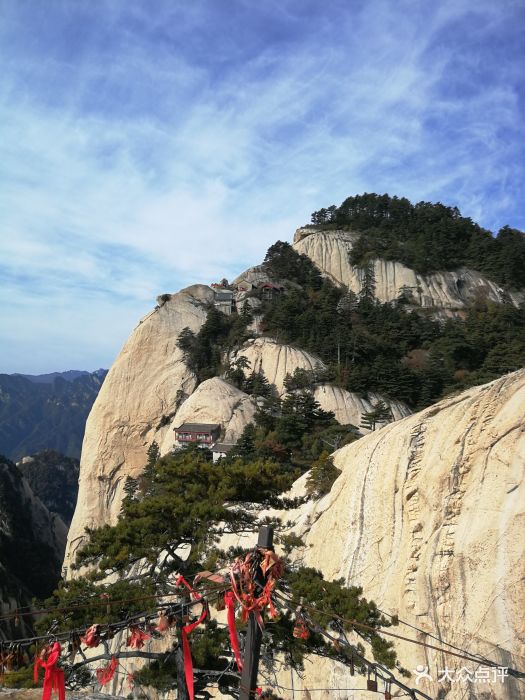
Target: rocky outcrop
[(276, 360), (53, 477), (349, 407), (252, 276), (214, 401), (32, 543), (142, 392), (428, 517), (427, 514), (449, 290)]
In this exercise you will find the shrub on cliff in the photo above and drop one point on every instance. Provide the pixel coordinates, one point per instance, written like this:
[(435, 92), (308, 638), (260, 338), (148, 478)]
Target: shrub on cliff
[(185, 503)]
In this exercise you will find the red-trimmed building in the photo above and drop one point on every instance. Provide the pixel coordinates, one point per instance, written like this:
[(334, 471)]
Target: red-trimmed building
[(270, 290), (205, 434)]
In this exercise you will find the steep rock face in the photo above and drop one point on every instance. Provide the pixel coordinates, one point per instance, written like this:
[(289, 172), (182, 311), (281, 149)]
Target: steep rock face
[(253, 275), (349, 407), (32, 543), (142, 391), (449, 290), (53, 477), (428, 517), (276, 360), (214, 401)]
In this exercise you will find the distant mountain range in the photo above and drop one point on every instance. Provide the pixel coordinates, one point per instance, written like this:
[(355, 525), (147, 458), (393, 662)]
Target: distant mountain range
[(47, 411), (69, 375)]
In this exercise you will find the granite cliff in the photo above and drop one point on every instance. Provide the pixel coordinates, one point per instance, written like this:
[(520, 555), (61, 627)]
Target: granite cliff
[(141, 394), (149, 389), (428, 517), (425, 515), (446, 292), (119, 432)]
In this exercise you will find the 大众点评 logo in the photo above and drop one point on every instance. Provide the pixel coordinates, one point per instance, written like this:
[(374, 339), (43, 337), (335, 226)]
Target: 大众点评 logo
[(481, 674)]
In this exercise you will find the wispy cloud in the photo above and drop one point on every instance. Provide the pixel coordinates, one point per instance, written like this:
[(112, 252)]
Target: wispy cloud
[(145, 150)]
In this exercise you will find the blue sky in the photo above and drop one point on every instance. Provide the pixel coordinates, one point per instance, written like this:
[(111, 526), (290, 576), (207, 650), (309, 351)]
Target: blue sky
[(149, 144)]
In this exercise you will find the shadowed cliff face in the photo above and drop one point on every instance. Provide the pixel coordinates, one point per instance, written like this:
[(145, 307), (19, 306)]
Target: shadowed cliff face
[(32, 542), (428, 517), (54, 479), (447, 292), (37, 415)]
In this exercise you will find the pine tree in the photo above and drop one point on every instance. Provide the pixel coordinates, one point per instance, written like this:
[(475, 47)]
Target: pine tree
[(322, 475), (257, 385), (130, 489), (379, 413), (187, 504), (245, 446), (235, 372), (368, 286)]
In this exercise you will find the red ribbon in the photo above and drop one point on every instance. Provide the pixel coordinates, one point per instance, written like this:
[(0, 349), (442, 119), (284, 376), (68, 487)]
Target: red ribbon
[(53, 676), (106, 673), (92, 636), (136, 637), (244, 589), (186, 630), (229, 599)]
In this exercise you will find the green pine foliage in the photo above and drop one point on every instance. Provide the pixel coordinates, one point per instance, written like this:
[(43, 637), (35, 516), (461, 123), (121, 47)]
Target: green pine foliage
[(300, 414), (345, 602), (379, 413), (203, 351), (258, 386), (386, 348), (208, 652), (305, 378), (77, 603), (322, 475), (185, 501), (427, 237), (182, 503), (22, 678), (283, 263), (294, 432)]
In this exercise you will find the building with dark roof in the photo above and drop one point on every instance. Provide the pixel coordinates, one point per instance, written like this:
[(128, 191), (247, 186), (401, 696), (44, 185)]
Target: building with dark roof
[(224, 299), (221, 449), (202, 433), (270, 290)]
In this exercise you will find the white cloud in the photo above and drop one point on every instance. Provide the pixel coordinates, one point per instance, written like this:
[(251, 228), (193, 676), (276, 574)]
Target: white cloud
[(141, 170)]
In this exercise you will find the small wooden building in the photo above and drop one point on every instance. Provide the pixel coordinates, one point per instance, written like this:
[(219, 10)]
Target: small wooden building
[(224, 299), (205, 434), (270, 290)]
